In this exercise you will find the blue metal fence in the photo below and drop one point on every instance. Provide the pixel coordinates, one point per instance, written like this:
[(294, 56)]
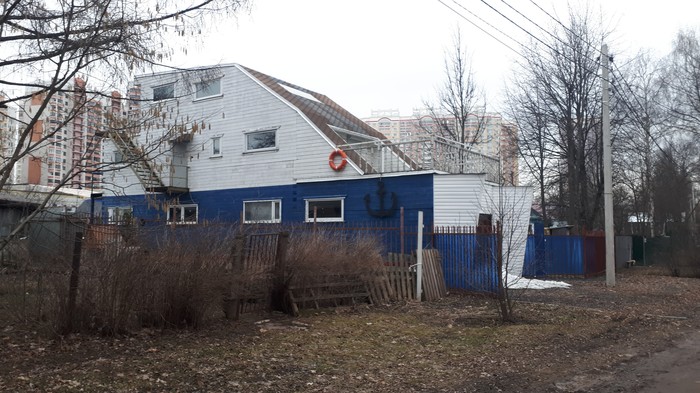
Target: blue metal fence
[(563, 256), (468, 260)]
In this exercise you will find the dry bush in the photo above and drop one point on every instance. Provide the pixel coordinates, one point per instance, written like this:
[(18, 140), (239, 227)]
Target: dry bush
[(14, 255), (684, 263), (177, 284), (317, 257)]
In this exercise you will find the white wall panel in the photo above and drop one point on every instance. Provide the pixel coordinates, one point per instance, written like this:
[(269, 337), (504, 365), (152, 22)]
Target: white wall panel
[(511, 206), (244, 105), (457, 199)]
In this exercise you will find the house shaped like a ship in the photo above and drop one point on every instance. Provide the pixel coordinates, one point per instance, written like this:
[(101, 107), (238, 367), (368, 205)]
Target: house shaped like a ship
[(229, 143)]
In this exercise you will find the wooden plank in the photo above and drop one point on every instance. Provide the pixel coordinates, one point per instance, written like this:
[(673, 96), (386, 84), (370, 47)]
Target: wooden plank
[(433, 277)]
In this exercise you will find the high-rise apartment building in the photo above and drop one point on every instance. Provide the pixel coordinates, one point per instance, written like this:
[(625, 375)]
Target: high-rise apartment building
[(492, 135), (7, 130), (66, 133)]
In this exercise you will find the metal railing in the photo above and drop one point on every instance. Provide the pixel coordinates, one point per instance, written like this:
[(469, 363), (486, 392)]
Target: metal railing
[(436, 153)]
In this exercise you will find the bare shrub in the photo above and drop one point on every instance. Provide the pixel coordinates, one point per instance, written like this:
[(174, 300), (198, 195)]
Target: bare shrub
[(328, 252), (14, 255), (177, 284), (327, 256)]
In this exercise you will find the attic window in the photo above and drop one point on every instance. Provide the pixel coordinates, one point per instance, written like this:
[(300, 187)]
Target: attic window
[(300, 93), (206, 89), (164, 92), (261, 140)]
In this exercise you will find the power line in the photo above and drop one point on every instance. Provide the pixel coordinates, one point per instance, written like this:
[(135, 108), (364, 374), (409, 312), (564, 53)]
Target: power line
[(639, 118), (521, 28), (534, 23), (480, 28), (565, 27)]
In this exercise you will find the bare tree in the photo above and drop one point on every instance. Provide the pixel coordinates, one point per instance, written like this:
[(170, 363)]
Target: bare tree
[(534, 145), (556, 92), (459, 112), (640, 95), (505, 246), (672, 183), (47, 45), (682, 82)]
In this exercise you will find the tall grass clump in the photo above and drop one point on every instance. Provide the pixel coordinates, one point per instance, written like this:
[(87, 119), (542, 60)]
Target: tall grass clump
[(169, 278), (325, 256)]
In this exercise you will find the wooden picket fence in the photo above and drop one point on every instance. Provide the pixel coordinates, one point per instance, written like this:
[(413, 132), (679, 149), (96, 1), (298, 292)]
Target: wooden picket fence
[(394, 282)]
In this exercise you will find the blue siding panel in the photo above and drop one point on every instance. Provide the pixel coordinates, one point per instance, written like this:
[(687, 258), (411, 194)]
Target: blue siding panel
[(414, 193)]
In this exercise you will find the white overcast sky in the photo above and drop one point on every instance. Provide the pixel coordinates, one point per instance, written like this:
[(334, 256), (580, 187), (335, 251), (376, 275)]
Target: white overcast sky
[(388, 54)]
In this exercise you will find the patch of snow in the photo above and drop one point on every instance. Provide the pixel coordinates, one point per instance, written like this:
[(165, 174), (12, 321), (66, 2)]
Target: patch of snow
[(519, 282)]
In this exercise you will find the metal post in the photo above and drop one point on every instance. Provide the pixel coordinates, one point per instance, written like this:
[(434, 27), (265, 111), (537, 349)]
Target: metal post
[(381, 154), (401, 231), (419, 258), (607, 177), (74, 282)]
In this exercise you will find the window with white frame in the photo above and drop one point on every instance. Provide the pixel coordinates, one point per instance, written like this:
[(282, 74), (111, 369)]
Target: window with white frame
[(122, 215), (325, 209), (216, 146), (269, 211), (207, 89), (261, 140), (164, 92), (183, 214)]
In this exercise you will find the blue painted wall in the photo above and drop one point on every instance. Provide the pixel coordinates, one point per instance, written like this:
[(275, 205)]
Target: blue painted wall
[(414, 193)]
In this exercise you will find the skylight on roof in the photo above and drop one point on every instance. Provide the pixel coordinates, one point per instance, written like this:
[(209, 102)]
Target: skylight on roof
[(300, 93)]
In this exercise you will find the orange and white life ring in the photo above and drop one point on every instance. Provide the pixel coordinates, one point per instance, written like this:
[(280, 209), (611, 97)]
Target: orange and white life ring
[(343, 160)]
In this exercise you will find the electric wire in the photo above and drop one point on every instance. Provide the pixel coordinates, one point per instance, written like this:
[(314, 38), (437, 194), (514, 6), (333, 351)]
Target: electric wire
[(550, 47), (535, 23), (633, 110), (480, 28)]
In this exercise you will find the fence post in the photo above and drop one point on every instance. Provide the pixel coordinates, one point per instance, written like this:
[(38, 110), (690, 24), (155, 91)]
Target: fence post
[(74, 282), (232, 302), (402, 231), (279, 289), (419, 258)]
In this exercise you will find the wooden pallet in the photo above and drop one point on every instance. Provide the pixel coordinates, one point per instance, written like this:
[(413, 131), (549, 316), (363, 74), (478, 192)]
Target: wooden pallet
[(328, 291)]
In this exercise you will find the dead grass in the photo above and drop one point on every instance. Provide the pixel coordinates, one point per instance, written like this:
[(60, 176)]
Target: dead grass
[(456, 344)]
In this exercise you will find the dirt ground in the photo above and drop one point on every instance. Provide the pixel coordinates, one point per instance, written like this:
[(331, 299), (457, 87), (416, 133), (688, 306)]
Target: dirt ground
[(588, 338)]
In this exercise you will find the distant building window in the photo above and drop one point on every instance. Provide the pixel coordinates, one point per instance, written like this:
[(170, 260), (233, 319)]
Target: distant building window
[(118, 156), (325, 209), (182, 214), (164, 92), (262, 211), (261, 140), (206, 89), (216, 146)]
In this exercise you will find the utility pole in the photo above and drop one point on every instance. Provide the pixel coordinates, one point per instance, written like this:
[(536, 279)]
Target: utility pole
[(607, 176)]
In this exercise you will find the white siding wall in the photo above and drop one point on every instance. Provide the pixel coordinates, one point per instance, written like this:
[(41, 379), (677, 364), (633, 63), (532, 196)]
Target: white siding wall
[(511, 206), (118, 182), (457, 199), (245, 105)]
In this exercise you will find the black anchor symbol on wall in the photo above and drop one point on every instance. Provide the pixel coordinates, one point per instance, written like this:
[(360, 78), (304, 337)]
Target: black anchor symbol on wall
[(382, 212)]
